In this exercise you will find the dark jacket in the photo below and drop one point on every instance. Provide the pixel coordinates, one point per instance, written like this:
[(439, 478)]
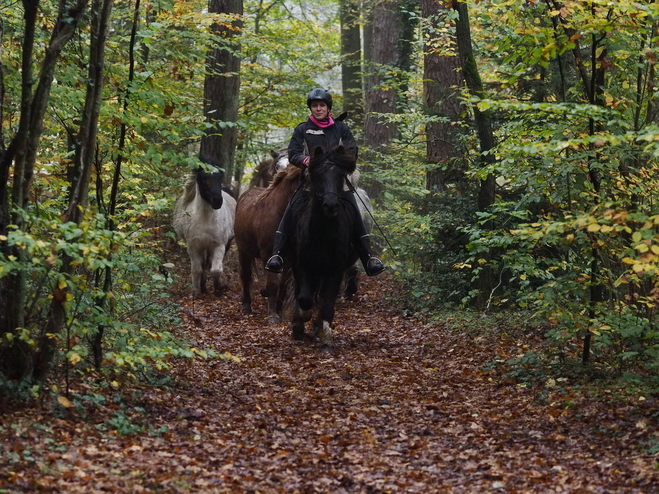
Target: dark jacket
[(327, 138)]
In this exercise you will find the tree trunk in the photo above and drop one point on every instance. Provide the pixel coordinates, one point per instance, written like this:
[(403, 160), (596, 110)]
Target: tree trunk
[(475, 85), (383, 37), (487, 279), (222, 88), (408, 11), (22, 152), (596, 94), (100, 14), (351, 54), (442, 79)]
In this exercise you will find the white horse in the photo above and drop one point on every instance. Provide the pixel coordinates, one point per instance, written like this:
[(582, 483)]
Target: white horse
[(366, 209), (204, 216)]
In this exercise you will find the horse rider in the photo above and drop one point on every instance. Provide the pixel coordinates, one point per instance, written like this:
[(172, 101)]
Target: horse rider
[(322, 130)]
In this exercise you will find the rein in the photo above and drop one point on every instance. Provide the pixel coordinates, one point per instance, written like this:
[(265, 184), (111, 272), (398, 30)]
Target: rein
[(352, 189)]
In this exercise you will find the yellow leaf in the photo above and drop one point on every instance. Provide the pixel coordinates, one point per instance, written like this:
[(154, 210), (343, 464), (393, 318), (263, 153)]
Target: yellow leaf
[(74, 358), (655, 249), (144, 119), (61, 284), (64, 401), (594, 227), (637, 237)]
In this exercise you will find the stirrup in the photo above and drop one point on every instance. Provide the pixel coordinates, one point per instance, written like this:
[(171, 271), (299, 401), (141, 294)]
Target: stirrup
[(275, 264), (374, 266)]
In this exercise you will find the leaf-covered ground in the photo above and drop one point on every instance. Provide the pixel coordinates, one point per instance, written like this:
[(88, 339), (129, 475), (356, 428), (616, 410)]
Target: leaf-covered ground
[(402, 406)]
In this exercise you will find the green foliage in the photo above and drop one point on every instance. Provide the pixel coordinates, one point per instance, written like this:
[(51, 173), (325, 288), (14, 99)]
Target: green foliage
[(571, 236), (286, 54), (132, 314)]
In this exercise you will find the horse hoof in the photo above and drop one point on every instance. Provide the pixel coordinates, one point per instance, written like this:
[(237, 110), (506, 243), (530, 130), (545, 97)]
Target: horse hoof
[(247, 311), (327, 349), (273, 320), (298, 333)]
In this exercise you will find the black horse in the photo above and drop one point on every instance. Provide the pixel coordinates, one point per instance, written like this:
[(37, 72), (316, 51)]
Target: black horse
[(320, 247)]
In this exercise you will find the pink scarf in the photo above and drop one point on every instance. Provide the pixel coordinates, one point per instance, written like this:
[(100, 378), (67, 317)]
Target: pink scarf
[(325, 123)]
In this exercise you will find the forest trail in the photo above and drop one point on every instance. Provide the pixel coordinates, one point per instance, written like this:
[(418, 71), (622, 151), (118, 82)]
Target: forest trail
[(402, 406)]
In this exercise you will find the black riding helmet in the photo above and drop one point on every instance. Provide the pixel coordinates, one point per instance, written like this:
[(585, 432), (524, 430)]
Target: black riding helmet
[(320, 94)]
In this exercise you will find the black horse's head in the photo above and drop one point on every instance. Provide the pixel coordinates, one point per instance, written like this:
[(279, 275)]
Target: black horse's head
[(327, 173), (210, 183)]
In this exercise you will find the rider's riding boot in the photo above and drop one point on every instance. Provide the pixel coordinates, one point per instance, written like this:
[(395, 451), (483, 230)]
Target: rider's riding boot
[(372, 265), (276, 263)]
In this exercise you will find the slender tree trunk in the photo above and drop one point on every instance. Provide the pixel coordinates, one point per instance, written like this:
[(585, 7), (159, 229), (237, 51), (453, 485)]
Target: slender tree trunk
[(486, 280), (97, 340), (442, 80), (408, 12), (596, 95), (22, 152), (221, 89), (483, 119), (100, 15), (351, 68)]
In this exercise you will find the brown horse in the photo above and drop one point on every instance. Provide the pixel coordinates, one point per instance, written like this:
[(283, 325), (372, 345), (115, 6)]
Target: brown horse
[(258, 213), (269, 167)]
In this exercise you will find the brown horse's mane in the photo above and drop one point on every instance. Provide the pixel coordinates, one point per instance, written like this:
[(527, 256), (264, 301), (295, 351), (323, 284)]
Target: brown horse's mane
[(289, 174)]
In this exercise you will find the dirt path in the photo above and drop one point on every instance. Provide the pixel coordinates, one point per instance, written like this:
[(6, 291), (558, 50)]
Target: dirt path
[(401, 407)]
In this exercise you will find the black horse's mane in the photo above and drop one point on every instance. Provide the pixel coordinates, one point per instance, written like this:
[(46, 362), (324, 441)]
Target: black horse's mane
[(341, 157)]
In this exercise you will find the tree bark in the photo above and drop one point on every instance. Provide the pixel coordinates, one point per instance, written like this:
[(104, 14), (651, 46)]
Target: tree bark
[(351, 69), (442, 80), (100, 15), (222, 88), (22, 152), (482, 119), (383, 35), (380, 96), (486, 280)]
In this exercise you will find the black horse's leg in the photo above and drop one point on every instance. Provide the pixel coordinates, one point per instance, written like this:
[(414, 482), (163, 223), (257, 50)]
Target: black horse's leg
[(323, 324), (302, 313)]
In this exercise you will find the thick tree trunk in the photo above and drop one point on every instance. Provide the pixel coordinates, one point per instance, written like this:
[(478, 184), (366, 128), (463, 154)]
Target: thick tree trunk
[(442, 80), (222, 88), (351, 68), (380, 96), (383, 36)]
